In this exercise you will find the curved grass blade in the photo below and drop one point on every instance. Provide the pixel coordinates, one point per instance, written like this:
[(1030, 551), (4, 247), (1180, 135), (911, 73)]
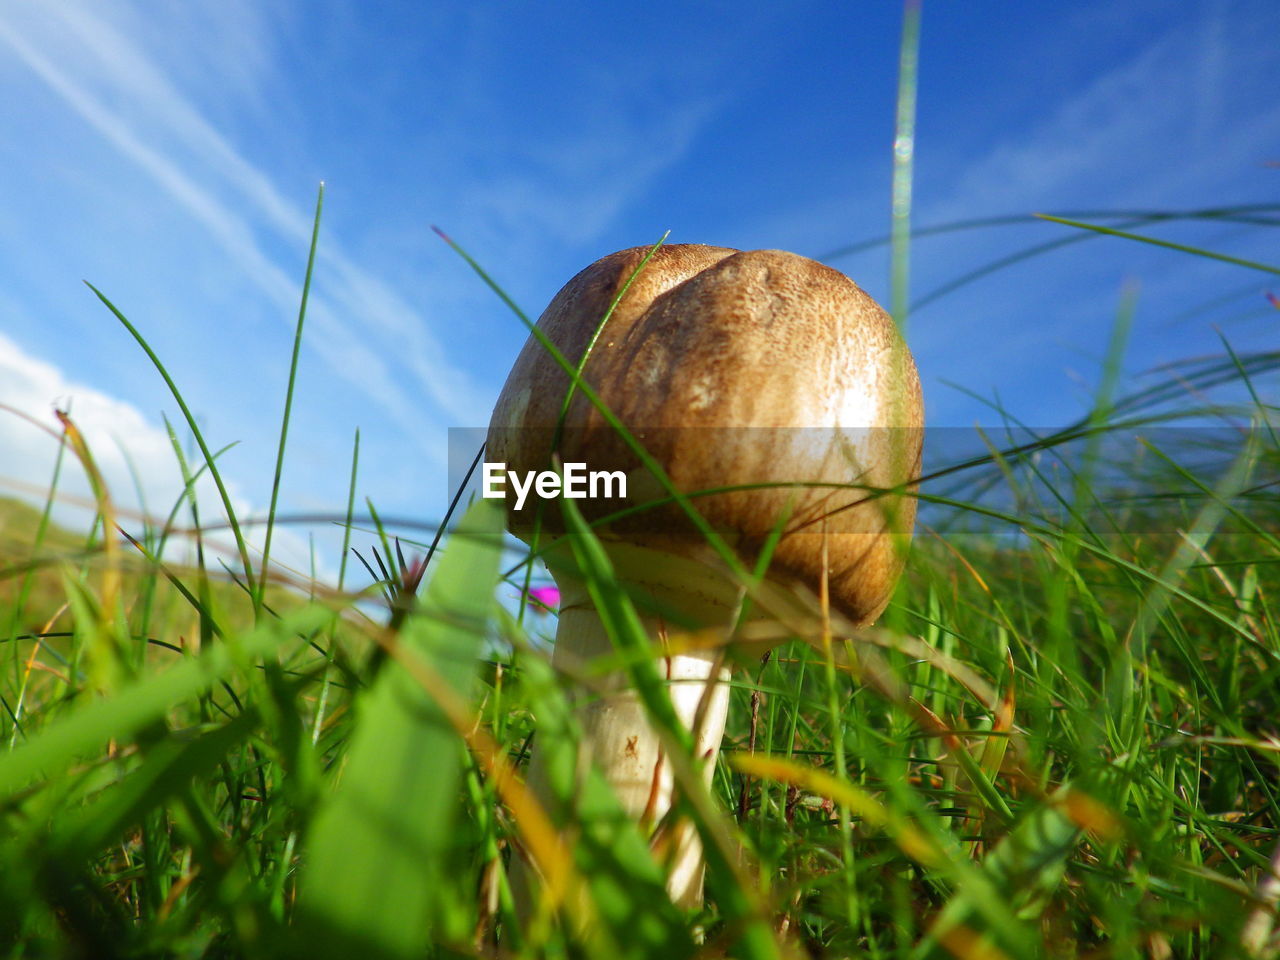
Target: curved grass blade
[(1183, 248), (1245, 213), (209, 458)]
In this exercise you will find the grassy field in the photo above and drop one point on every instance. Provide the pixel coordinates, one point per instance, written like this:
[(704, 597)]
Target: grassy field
[(1061, 740)]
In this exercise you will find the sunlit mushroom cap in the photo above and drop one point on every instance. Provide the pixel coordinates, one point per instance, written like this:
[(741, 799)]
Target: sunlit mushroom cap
[(733, 368)]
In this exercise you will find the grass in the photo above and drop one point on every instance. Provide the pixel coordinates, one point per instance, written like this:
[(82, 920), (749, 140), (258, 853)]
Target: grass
[(1060, 741)]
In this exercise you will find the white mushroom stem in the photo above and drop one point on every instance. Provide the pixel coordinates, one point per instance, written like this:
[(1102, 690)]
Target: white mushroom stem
[(621, 741), (617, 734)]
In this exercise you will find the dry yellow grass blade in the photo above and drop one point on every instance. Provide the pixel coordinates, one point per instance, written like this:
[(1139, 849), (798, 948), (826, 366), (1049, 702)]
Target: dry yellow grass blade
[(909, 839)]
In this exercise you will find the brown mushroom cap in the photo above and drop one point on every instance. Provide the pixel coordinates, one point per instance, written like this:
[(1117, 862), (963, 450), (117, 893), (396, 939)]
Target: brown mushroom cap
[(756, 367)]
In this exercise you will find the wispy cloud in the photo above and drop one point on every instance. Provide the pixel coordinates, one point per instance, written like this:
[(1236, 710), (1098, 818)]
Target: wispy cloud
[(367, 333), (586, 177), (1147, 129), (564, 189)]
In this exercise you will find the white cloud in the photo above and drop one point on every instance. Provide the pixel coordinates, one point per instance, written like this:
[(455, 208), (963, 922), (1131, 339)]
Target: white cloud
[(129, 450)]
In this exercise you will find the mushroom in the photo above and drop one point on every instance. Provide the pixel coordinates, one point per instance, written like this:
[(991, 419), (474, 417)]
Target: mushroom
[(732, 368)]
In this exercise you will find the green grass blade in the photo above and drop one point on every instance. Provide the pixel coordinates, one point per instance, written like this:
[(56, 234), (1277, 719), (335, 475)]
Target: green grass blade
[(738, 898), (86, 731), (194, 427), (1183, 248), (25, 586), (167, 769), (536, 537), (288, 402), (1245, 213), (377, 848), (1029, 862), (713, 539), (351, 503), (904, 147)]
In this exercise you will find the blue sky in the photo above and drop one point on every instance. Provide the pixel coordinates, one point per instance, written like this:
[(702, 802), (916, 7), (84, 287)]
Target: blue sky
[(169, 154)]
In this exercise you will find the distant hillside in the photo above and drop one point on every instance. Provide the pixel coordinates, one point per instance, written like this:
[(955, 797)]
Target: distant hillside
[(19, 525), (19, 522), (62, 553)]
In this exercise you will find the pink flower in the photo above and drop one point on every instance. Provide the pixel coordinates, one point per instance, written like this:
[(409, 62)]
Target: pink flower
[(544, 599)]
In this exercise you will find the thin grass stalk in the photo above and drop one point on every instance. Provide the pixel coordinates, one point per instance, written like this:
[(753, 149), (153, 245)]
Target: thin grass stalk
[(260, 594)]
